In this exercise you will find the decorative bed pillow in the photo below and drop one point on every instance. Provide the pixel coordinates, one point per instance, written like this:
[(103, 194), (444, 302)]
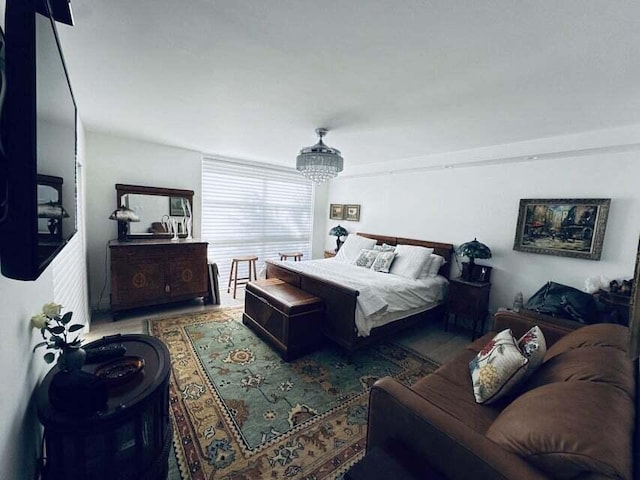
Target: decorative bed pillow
[(383, 261), (350, 249), (410, 260), (366, 258), (498, 368), (384, 248), (533, 346)]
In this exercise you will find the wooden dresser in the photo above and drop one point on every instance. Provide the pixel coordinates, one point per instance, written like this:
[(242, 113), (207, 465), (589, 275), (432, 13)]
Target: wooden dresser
[(152, 272)]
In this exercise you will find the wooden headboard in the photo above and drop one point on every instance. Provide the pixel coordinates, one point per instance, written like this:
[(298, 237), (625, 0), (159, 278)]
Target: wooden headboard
[(443, 249)]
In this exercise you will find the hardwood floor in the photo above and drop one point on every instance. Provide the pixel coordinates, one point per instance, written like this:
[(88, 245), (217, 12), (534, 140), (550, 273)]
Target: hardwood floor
[(133, 321), (430, 339)]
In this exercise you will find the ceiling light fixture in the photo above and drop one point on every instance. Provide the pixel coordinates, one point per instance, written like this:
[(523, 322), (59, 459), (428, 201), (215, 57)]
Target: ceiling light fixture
[(319, 163)]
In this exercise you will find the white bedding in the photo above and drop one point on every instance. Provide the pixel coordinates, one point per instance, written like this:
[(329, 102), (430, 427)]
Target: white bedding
[(383, 298)]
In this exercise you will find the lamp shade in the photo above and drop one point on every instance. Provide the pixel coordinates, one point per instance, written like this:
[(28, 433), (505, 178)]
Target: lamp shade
[(474, 249), (338, 231), (51, 210), (124, 214)]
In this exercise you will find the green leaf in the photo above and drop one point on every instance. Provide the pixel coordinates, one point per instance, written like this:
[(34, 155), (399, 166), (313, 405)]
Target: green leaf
[(76, 342), (75, 327), (41, 344), (66, 318), (49, 357), (58, 341), (56, 330)]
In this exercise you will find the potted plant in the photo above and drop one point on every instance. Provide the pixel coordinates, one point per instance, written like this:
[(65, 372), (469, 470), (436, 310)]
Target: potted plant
[(57, 330)]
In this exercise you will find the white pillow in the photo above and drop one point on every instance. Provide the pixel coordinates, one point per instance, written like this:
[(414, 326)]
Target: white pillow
[(436, 262), (351, 247), (424, 273), (410, 260)]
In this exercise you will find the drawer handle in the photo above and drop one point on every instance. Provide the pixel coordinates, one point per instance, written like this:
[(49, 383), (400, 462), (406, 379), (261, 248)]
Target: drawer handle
[(167, 288)]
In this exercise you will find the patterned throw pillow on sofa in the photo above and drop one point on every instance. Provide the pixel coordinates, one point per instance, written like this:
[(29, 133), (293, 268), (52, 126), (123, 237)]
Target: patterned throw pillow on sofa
[(533, 346), (497, 368)]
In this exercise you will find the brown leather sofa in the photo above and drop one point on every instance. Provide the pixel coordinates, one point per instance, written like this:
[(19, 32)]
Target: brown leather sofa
[(573, 419)]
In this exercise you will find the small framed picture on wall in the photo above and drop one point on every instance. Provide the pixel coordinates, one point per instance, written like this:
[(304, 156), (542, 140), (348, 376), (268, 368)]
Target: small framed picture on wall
[(352, 213), (336, 211)]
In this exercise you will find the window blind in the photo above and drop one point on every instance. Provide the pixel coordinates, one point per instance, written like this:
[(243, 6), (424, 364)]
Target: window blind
[(70, 267), (250, 209)]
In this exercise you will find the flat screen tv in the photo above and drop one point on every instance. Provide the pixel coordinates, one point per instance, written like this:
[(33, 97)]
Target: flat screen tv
[(38, 140)]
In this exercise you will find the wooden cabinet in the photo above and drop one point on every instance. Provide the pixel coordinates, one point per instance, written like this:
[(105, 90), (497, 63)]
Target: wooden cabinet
[(129, 438), (156, 271), (469, 300)]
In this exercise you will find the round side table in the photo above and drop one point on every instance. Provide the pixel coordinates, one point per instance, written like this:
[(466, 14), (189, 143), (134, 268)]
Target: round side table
[(130, 438)]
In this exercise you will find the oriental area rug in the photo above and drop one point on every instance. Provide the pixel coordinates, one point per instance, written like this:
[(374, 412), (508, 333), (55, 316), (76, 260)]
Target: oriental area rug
[(240, 412)]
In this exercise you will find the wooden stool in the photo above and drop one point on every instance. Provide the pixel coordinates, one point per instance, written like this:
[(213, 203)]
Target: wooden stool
[(233, 273), (297, 256)]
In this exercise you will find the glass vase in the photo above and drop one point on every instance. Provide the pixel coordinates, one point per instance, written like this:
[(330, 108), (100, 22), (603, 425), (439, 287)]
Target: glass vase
[(71, 358)]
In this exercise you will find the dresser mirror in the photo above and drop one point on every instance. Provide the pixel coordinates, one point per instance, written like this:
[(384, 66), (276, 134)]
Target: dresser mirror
[(159, 210)]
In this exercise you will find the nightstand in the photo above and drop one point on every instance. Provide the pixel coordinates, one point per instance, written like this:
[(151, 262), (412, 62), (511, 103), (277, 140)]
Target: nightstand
[(469, 300), (329, 254)]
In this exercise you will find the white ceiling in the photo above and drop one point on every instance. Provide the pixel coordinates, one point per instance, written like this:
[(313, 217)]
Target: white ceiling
[(391, 79)]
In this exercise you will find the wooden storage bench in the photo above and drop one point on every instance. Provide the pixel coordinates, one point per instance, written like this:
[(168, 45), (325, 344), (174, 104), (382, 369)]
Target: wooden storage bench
[(286, 317)]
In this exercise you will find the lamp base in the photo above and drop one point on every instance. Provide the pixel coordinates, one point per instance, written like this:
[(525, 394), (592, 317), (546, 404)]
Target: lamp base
[(472, 272), (466, 271), (123, 231)]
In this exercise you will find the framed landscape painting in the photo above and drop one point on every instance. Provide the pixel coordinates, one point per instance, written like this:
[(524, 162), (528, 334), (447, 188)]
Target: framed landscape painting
[(562, 227)]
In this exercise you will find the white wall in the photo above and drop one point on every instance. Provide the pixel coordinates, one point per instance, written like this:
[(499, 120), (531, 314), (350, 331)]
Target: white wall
[(320, 193), (111, 160), (20, 431), (455, 205)]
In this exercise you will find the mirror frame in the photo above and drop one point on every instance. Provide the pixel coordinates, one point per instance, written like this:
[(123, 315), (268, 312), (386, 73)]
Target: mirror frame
[(124, 189)]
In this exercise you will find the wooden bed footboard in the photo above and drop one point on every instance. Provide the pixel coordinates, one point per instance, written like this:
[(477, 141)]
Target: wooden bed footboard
[(340, 301)]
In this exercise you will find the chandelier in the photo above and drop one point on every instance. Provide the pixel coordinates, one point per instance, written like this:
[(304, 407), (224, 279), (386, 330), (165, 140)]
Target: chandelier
[(319, 163)]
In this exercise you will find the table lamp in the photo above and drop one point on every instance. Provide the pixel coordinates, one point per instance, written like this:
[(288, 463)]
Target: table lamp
[(55, 213), (338, 231), (472, 250), (124, 216)]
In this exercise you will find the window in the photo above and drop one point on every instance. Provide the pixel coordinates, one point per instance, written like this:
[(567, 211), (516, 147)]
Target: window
[(250, 209)]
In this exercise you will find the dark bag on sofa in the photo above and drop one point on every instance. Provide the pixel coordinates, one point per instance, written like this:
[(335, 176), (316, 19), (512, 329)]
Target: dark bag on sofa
[(565, 302)]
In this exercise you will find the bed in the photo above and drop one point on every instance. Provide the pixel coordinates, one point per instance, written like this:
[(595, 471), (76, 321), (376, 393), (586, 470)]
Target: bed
[(343, 323)]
